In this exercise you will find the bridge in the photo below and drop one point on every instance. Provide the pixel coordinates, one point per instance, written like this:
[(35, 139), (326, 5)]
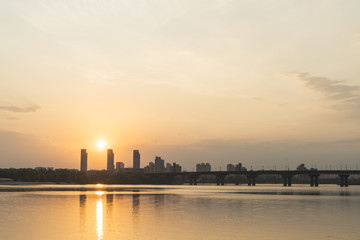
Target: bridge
[(252, 174)]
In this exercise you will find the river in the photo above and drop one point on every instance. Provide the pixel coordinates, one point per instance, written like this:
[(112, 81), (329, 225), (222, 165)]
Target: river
[(179, 212)]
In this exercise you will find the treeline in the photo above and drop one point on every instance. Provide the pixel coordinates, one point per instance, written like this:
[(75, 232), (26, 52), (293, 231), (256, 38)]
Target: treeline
[(78, 177)]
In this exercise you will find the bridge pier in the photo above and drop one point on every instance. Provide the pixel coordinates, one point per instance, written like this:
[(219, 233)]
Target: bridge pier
[(220, 179), (193, 179), (341, 181), (344, 180), (287, 180), (251, 180), (314, 179)]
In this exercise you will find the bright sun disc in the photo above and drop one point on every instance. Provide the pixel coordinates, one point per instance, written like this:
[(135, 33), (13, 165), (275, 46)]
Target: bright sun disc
[(100, 144)]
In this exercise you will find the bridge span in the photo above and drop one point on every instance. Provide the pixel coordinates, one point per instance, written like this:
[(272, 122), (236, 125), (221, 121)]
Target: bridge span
[(251, 175)]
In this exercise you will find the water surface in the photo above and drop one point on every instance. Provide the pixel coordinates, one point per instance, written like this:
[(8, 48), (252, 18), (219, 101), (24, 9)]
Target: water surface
[(179, 212)]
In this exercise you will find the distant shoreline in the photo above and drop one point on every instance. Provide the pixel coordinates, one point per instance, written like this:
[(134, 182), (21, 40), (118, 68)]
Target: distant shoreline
[(32, 183)]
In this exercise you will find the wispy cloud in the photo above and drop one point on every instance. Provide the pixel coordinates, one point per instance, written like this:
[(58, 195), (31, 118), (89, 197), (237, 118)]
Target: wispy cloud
[(33, 108), (342, 95), (337, 90)]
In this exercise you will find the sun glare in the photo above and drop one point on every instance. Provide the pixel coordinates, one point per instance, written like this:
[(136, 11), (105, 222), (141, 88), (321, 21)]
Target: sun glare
[(101, 144), (99, 193)]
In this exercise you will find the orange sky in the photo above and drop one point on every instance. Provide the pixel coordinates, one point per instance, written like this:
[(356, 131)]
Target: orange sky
[(263, 83)]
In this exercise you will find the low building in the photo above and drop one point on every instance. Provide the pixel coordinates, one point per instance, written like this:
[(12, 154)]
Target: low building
[(119, 166), (232, 168), (203, 167), (149, 168)]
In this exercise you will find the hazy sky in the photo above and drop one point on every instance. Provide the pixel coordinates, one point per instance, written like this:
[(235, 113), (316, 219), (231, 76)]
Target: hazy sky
[(259, 82)]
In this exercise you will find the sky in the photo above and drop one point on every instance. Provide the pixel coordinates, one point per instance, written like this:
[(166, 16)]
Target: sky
[(265, 83)]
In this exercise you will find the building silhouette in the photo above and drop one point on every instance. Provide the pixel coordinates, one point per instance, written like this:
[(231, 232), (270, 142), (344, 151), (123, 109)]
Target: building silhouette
[(231, 167), (301, 167), (203, 167), (168, 167), (83, 161), (150, 168), (159, 165), (176, 168), (136, 159), (110, 161), (119, 165), (171, 168)]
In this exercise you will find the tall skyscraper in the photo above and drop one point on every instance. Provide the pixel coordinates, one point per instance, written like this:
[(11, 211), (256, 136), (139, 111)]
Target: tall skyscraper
[(110, 161), (83, 161), (136, 159)]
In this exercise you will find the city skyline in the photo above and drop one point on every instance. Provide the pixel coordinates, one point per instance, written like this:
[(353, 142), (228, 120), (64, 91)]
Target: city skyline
[(263, 83), (157, 120), (159, 166)]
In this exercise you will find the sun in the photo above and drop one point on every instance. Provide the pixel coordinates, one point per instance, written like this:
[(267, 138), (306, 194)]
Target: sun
[(101, 144)]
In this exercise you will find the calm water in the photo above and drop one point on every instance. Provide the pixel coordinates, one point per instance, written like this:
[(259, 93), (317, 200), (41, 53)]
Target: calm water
[(179, 212)]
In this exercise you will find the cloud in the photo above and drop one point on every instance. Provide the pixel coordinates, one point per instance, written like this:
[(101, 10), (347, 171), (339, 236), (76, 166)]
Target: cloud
[(33, 108), (336, 90), (342, 95)]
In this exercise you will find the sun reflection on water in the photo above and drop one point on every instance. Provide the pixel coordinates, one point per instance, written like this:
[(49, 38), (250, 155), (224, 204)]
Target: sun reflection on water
[(99, 218), (99, 193)]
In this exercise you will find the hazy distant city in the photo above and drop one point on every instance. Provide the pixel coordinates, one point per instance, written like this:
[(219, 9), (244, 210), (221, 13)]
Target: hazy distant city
[(160, 172), (179, 119)]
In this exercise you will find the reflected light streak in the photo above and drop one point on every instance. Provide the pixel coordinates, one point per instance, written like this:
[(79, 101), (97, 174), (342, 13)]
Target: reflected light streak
[(99, 193), (99, 185), (99, 219)]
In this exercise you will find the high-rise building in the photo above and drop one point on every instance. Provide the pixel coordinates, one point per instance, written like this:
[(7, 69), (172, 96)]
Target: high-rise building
[(83, 161), (176, 167), (136, 159), (110, 161), (159, 165), (168, 167)]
